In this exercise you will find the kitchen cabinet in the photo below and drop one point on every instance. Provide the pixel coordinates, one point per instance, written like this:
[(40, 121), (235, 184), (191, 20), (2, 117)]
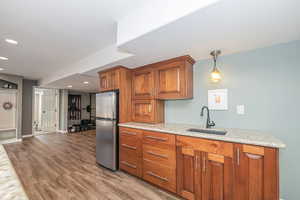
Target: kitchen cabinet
[(143, 83), (130, 151), (174, 78), (159, 159), (109, 79), (204, 169), (215, 170), (148, 111), (256, 173)]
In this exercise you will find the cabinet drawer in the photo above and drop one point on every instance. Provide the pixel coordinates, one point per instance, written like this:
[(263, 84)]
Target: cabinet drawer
[(130, 163), (209, 146), (160, 156), (159, 175), (130, 133), (161, 140)]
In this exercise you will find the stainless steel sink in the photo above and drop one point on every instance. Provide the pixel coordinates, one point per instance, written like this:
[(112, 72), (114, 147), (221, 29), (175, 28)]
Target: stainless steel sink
[(208, 131)]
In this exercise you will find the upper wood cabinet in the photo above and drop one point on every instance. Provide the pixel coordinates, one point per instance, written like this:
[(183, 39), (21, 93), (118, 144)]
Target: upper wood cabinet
[(148, 111), (256, 173), (174, 78), (169, 79), (143, 83), (109, 79)]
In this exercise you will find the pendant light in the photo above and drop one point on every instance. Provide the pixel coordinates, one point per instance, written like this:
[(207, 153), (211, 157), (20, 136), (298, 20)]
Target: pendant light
[(215, 74)]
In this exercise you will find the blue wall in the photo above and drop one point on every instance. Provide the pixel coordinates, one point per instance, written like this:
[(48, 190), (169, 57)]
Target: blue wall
[(267, 82)]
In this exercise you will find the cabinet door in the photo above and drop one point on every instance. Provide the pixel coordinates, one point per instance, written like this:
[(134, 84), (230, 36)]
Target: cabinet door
[(149, 111), (143, 84), (256, 173), (104, 81), (170, 80), (143, 111), (188, 173), (217, 177), (174, 80), (114, 79)]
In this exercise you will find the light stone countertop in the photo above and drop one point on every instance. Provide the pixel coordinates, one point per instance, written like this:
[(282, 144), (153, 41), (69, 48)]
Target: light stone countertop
[(10, 186), (233, 135)]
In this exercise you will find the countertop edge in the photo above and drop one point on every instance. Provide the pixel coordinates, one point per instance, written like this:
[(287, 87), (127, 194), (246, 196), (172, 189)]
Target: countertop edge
[(240, 141)]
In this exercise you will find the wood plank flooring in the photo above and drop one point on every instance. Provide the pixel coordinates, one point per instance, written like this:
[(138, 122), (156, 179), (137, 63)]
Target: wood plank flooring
[(58, 166)]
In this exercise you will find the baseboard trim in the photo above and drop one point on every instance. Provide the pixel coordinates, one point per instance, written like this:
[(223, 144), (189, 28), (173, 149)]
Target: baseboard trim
[(27, 136), (62, 131)]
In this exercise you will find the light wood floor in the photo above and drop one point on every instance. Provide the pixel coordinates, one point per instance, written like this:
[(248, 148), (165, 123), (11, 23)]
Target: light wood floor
[(58, 166)]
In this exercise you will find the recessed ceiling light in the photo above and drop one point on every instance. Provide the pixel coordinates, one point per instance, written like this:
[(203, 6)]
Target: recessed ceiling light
[(3, 58), (1, 69), (11, 41), (69, 86), (85, 82)]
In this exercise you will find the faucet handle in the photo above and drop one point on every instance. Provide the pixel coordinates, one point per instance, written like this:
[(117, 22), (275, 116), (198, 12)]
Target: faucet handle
[(212, 123)]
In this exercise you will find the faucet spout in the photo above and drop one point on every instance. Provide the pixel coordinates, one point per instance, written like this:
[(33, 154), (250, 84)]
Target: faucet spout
[(209, 123)]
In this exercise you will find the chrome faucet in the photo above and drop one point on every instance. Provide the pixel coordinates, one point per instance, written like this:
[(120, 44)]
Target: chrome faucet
[(209, 123)]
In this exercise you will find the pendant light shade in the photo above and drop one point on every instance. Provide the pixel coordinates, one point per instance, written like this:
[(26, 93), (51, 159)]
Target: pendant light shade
[(215, 74)]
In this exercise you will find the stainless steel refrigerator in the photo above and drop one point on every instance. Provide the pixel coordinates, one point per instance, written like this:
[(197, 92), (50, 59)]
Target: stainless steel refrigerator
[(106, 130)]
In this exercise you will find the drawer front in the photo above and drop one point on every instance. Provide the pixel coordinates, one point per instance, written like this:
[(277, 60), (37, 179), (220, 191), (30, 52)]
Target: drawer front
[(160, 175), (160, 156), (161, 140), (130, 163), (209, 146), (130, 144), (130, 133)]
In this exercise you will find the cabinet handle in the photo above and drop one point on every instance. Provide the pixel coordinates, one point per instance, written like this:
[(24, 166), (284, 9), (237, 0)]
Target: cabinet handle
[(128, 133), (150, 108), (157, 176), (238, 156), (128, 146), (128, 165), (156, 138), (204, 164), (156, 154)]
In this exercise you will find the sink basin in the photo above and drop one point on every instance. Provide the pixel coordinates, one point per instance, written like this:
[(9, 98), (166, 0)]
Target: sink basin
[(208, 131)]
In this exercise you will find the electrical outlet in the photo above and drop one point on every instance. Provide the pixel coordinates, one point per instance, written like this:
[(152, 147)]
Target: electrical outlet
[(240, 109)]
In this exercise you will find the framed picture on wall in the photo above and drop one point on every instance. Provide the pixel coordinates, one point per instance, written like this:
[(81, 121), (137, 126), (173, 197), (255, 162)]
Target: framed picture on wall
[(218, 99)]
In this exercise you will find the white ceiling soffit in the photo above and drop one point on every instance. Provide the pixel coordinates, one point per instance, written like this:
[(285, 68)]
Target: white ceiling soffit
[(77, 81), (230, 25), (94, 62), (155, 14)]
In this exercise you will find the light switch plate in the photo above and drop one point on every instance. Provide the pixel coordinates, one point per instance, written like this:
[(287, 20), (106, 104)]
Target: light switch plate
[(240, 109)]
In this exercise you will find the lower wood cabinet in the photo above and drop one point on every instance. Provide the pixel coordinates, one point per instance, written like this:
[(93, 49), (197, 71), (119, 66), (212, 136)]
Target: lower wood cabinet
[(159, 159), (215, 170), (202, 175), (256, 173), (200, 169), (130, 151)]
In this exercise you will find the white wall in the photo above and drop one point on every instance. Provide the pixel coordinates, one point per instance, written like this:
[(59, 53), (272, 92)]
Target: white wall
[(8, 117)]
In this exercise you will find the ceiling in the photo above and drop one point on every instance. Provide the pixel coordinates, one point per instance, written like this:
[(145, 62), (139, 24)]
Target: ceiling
[(56, 33), (77, 81), (67, 42)]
